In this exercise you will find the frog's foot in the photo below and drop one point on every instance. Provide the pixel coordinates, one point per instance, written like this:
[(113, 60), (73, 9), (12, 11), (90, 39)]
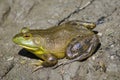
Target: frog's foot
[(38, 65), (66, 62), (48, 61), (37, 68)]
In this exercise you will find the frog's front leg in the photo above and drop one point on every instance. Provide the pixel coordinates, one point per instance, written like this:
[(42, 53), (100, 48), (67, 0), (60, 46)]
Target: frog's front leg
[(82, 49), (48, 60)]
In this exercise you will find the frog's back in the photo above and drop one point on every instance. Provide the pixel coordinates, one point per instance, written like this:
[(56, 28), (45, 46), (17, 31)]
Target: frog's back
[(65, 28), (57, 38)]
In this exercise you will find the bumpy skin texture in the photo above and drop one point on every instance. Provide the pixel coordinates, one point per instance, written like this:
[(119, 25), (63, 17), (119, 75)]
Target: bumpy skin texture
[(73, 40)]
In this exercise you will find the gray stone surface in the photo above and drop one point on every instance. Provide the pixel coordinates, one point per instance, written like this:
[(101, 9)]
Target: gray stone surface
[(39, 14)]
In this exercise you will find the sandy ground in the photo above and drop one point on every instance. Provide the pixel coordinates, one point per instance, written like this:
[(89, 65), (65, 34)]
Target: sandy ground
[(39, 14)]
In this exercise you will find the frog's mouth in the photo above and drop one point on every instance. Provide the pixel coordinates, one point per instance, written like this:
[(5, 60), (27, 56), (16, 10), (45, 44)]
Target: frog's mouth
[(29, 48)]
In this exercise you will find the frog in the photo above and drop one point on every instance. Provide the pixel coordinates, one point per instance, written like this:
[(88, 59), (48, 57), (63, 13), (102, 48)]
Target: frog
[(74, 40)]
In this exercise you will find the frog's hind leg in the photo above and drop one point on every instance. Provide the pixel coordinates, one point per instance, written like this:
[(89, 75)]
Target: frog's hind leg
[(82, 49), (88, 25), (78, 51)]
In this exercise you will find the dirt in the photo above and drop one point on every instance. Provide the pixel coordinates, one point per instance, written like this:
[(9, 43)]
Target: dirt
[(41, 14)]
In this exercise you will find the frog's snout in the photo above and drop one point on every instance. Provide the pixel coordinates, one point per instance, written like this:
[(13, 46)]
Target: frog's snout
[(14, 39)]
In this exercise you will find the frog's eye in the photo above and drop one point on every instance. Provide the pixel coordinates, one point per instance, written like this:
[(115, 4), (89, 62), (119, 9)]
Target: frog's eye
[(27, 35), (24, 30)]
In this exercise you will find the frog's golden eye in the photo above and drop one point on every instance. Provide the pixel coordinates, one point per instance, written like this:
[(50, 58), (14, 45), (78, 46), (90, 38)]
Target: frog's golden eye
[(24, 30), (27, 35)]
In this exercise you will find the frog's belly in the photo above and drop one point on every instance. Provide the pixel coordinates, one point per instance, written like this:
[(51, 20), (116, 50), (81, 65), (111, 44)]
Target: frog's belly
[(59, 55)]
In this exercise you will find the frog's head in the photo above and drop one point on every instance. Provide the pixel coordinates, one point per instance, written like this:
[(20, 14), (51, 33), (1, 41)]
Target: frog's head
[(27, 39)]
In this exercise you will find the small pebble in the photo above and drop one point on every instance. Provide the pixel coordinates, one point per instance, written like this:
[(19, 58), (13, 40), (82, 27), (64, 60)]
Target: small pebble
[(10, 58), (112, 46), (99, 34), (112, 57), (93, 57)]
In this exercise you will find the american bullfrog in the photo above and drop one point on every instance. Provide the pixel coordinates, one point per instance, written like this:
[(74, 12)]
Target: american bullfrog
[(73, 40)]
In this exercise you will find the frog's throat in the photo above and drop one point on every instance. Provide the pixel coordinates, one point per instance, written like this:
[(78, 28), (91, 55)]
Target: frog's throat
[(38, 52)]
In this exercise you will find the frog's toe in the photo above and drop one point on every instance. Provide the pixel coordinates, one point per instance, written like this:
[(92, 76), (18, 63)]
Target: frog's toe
[(37, 68), (38, 63)]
